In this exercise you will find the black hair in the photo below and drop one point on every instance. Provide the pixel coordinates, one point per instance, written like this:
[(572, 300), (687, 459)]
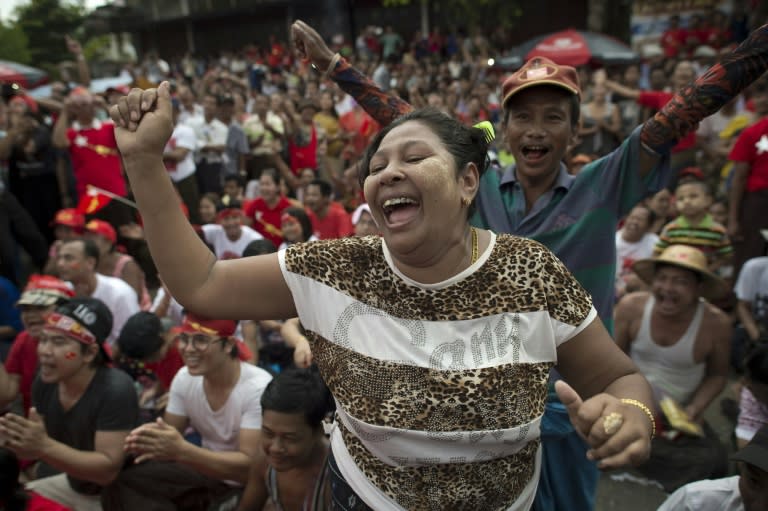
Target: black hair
[(298, 391), (304, 221), (651, 214), (90, 250), (756, 363), (273, 172), (141, 336), (691, 180), (326, 190), (575, 104), (259, 247), (236, 178), (12, 495), (466, 144)]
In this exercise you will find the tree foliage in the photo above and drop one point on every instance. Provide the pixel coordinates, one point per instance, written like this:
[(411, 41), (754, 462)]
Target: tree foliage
[(45, 23), (14, 44)]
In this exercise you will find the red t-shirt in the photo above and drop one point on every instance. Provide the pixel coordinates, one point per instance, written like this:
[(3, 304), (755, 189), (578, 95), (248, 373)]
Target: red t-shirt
[(37, 502), (267, 220), (672, 41), (303, 157), (752, 148), (335, 224), (95, 160), (167, 368), (22, 361), (657, 100)]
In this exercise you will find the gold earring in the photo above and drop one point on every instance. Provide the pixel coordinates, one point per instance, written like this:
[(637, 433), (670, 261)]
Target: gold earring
[(466, 201)]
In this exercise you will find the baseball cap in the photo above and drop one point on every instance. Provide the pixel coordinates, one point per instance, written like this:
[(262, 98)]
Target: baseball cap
[(102, 228), (87, 320), (756, 451), (541, 71), (140, 336), (69, 217), (45, 290)]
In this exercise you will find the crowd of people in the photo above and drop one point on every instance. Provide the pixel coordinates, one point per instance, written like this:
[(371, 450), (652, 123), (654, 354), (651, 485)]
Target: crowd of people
[(270, 278)]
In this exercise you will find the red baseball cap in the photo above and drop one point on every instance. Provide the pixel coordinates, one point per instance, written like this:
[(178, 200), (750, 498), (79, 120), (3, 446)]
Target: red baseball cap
[(541, 71), (45, 290), (102, 228), (69, 217)]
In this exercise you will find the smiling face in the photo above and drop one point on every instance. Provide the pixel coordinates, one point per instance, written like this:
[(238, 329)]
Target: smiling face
[(72, 262), (538, 130), (676, 290), (203, 353), (414, 192), (287, 440), (636, 224)]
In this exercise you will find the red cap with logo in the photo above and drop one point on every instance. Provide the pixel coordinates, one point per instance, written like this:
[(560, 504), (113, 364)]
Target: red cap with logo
[(541, 71), (69, 217), (102, 228), (45, 290)]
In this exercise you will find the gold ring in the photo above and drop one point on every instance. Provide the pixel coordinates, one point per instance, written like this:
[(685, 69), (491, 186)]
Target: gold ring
[(612, 422)]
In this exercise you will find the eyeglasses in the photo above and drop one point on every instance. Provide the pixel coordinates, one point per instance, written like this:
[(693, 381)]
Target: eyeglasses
[(200, 342)]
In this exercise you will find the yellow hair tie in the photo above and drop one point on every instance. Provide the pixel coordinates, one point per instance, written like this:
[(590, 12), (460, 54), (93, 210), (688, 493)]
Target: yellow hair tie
[(487, 127)]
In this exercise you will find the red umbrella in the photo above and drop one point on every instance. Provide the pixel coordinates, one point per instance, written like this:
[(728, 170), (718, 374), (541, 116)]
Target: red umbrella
[(25, 76), (577, 47)]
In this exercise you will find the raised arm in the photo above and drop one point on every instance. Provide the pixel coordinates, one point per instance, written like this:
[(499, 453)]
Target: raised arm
[(383, 107), (716, 87), (191, 272)]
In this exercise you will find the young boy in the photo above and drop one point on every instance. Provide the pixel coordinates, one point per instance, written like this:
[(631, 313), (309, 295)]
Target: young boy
[(695, 226)]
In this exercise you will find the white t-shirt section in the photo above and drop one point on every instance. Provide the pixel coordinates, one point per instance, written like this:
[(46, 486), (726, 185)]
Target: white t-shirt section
[(220, 429), (121, 300), (225, 248), (213, 133), (182, 136), (629, 252)]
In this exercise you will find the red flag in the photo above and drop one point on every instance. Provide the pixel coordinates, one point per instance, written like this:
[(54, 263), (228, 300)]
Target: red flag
[(93, 201)]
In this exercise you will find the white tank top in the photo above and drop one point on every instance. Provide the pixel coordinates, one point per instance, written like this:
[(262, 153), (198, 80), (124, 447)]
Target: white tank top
[(670, 370)]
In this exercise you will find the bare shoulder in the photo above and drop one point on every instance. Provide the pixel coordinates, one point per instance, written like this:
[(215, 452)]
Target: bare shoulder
[(632, 304), (715, 320)]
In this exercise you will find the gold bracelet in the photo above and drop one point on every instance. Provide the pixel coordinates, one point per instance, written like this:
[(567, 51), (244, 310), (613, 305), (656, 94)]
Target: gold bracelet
[(647, 411)]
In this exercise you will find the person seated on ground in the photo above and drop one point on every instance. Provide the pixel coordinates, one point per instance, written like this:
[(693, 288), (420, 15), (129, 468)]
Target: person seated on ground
[(209, 205), (681, 344), (40, 297), (661, 205), (229, 237), (12, 494), (296, 227), (264, 212), (219, 396), (747, 491), (292, 473), (146, 350), (68, 224), (363, 221), (329, 218), (77, 263), (753, 399), (81, 411), (634, 241), (234, 189), (752, 307), (115, 264), (695, 226)]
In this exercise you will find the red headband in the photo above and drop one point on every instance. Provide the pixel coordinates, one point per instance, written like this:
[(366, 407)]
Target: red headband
[(69, 327), (227, 212)]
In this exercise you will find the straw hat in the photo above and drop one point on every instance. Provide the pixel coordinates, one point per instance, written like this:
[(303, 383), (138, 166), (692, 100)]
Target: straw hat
[(688, 258)]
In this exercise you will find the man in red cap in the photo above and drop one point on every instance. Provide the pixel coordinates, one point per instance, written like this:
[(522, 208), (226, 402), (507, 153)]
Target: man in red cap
[(115, 264), (537, 198), (220, 397), (42, 294), (68, 224), (81, 411)]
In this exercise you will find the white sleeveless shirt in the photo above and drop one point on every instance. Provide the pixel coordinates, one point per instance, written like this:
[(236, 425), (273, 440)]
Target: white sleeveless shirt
[(670, 370)]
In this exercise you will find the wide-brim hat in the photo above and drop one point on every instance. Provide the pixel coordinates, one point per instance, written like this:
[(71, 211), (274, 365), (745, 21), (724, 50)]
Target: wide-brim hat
[(688, 258)]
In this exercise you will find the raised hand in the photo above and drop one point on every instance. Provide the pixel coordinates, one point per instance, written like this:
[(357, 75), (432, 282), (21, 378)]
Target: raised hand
[(618, 434), (143, 121), (310, 45)]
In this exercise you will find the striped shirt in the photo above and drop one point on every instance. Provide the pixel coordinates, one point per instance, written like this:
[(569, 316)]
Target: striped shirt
[(708, 236), (440, 388)]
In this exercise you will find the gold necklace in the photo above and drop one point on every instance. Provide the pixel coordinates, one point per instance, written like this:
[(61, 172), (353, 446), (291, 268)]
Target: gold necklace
[(474, 246)]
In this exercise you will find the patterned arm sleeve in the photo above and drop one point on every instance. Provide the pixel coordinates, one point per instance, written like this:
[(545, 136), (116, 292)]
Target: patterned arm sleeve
[(708, 93), (383, 107)]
